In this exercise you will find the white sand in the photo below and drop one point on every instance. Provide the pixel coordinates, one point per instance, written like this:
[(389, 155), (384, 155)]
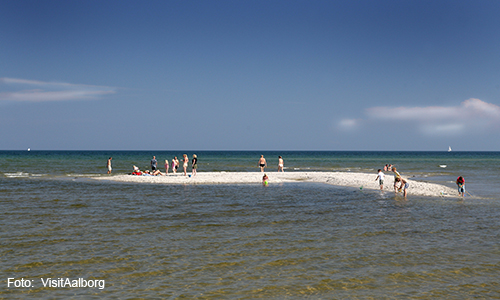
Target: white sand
[(348, 179)]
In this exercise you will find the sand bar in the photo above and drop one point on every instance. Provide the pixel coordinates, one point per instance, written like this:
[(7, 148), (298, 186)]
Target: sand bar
[(347, 179)]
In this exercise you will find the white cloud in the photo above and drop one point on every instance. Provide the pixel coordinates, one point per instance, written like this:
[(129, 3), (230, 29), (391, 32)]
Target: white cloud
[(412, 113), (472, 108), (38, 91), (441, 120), (348, 123), (442, 129), (481, 108), (472, 116)]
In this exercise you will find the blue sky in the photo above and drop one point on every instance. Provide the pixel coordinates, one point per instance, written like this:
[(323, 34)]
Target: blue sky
[(249, 75)]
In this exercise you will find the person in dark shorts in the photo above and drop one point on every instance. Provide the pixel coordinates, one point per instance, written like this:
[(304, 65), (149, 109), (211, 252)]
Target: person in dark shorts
[(194, 165), (262, 163), (154, 163)]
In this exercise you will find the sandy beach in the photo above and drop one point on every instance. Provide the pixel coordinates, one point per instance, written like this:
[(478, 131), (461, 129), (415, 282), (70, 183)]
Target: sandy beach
[(347, 179)]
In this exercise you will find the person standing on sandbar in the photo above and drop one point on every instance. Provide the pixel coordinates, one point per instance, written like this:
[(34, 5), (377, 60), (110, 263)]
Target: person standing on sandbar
[(154, 162), (166, 166), (109, 165), (175, 164), (194, 164), (185, 161), (280, 164), (262, 163)]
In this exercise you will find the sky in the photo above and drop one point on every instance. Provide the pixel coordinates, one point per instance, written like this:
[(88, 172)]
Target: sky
[(395, 75)]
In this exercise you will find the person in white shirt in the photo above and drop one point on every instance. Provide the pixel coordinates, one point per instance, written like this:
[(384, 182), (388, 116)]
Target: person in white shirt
[(380, 178)]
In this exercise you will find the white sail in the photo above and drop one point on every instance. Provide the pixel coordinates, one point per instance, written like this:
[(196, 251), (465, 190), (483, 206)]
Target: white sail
[(449, 149)]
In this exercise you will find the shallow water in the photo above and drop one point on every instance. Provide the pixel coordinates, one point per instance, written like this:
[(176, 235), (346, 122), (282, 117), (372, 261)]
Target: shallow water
[(286, 241)]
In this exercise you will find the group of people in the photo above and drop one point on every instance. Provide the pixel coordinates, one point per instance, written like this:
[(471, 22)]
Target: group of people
[(263, 164), (388, 168), (175, 163), (398, 179), (404, 185), (146, 172), (175, 166)]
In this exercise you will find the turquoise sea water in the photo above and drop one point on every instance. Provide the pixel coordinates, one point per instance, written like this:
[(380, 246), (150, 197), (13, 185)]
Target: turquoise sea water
[(286, 241)]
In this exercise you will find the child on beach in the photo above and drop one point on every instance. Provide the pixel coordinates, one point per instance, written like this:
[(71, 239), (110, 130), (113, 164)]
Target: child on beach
[(461, 186), (265, 180), (166, 166), (404, 185), (396, 176), (380, 177)]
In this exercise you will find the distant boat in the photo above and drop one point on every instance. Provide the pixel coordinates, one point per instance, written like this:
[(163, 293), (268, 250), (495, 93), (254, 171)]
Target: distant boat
[(449, 149), (29, 149)]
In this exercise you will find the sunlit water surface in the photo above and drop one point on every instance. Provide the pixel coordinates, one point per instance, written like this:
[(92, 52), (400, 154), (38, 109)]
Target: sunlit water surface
[(288, 241)]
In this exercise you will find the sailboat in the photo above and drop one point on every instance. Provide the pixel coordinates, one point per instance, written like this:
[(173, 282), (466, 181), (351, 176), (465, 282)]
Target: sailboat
[(449, 148)]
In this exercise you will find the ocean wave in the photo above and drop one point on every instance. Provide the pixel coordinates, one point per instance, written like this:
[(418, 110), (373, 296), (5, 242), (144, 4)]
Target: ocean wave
[(41, 175), (84, 175), (17, 174)]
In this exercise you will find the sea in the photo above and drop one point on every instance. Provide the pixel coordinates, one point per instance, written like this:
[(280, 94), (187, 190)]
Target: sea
[(65, 235)]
